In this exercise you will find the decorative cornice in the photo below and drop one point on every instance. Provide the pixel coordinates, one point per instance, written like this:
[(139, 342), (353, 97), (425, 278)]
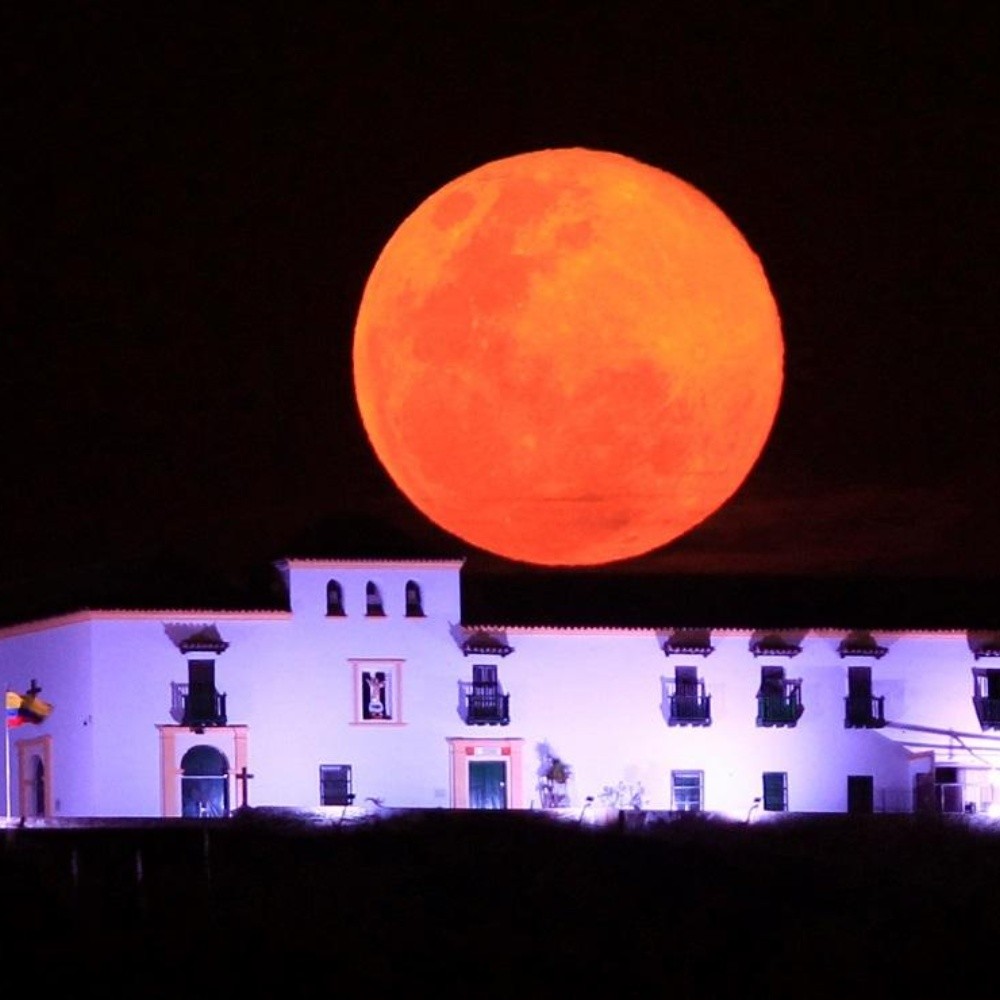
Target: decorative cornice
[(485, 644), (690, 642)]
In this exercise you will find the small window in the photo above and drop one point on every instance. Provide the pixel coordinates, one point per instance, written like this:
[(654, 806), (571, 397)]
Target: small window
[(414, 602), (336, 785), (986, 696), (377, 691), (775, 791), (484, 673), (988, 683), (373, 601), (686, 791), (334, 599)]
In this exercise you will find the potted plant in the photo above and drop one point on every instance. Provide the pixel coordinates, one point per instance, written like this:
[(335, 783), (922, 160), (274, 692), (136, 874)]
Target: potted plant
[(553, 784)]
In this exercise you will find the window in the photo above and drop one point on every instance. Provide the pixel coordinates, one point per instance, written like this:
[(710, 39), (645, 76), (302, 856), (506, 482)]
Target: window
[(686, 790), (779, 701), (986, 696), (377, 691), (689, 705), (775, 791), (486, 702), (336, 785), (484, 673), (949, 789), (863, 709), (334, 599), (203, 705), (414, 603), (373, 601)]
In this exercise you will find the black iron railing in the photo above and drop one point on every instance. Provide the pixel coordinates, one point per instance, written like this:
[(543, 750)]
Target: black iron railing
[(864, 711), (780, 705), (202, 707), (487, 705), (689, 704), (987, 711)]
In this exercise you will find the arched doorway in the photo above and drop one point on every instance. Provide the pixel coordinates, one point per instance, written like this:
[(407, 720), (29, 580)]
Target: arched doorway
[(34, 776), (204, 782), (37, 786)]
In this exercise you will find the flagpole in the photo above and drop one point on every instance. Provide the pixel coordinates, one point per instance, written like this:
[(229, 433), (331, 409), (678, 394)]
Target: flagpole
[(6, 756)]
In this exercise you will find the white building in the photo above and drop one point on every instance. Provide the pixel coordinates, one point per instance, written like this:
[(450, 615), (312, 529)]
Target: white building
[(369, 690)]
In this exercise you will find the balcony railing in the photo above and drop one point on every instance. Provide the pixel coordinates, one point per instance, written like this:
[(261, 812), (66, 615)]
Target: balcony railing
[(198, 708), (987, 711), (487, 705), (780, 706), (864, 711), (689, 705)]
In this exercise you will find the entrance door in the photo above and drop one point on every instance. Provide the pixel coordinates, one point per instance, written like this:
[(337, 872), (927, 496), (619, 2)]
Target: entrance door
[(487, 784), (860, 793), (204, 782)]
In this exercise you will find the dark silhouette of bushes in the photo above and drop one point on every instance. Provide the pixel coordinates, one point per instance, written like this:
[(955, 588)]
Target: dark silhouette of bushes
[(491, 903)]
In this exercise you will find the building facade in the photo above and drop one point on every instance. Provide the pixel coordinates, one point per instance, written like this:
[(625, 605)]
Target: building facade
[(369, 691)]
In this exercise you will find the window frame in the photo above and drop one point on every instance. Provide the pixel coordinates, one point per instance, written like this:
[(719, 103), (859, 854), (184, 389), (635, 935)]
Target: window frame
[(335, 608), (768, 800), (374, 603), (413, 600), (676, 786), (324, 770), (391, 695)]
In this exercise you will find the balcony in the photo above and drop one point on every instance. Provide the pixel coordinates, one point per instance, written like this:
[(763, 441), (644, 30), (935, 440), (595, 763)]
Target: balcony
[(780, 705), (689, 705), (987, 711), (198, 708), (864, 712), (487, 705)]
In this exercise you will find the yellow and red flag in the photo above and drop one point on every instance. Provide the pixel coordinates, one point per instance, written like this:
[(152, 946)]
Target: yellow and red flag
[(25, 708)]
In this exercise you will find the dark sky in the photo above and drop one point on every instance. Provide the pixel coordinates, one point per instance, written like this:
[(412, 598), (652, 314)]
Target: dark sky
[(196, 194)]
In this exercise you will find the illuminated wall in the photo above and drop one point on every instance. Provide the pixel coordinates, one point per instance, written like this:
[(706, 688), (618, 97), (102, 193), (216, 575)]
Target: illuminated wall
[(299, 688)]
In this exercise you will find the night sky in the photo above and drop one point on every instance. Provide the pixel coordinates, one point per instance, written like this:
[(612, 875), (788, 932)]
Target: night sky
[(197, 193)]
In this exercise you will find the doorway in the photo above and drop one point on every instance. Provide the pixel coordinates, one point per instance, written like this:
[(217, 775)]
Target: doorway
[(860, 794), (487, 784), (204, 783)]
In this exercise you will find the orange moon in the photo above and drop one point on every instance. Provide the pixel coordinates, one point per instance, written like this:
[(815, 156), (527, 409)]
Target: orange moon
[(568, 357)]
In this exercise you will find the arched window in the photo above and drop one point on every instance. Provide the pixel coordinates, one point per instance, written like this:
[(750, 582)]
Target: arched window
[(334, 599), (414, 603), (204, 782), (373, 601)]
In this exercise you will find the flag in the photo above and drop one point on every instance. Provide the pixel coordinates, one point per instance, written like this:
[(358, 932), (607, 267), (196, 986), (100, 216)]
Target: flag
[(14, 710), (24, 708)]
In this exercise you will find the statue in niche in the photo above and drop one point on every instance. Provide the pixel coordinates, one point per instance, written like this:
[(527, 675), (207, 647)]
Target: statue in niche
[(376, 706)]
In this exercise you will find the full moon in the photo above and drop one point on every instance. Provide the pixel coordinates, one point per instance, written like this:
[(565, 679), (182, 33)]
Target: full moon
[(568, 357)]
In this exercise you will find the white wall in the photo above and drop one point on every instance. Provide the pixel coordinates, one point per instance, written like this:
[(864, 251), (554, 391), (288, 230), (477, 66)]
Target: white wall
[(595, 697)]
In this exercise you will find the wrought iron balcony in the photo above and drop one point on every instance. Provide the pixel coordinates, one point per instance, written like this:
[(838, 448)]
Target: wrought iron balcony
[(487, 705), (987, 711), (200, 707), (689, 705), (780, 705), (864, 711)]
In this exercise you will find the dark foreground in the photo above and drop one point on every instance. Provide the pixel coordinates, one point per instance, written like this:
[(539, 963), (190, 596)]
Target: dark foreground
[(491, 904)]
